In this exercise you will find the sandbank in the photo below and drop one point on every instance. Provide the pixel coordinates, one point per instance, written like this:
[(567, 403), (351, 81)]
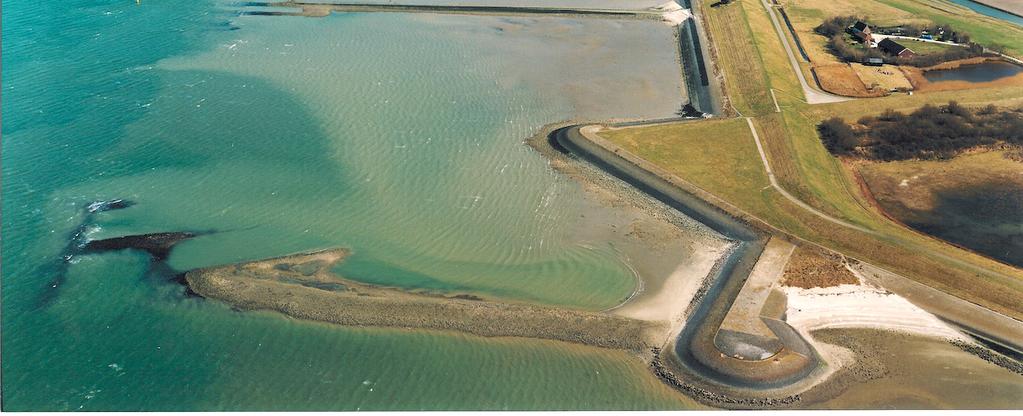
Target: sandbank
[(302, 286)]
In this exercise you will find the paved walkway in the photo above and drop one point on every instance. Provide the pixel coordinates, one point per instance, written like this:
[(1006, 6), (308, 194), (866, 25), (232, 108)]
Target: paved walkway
[(743, 333)]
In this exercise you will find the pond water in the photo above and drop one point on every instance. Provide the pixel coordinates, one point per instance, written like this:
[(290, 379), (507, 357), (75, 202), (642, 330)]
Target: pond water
[(985, 72)]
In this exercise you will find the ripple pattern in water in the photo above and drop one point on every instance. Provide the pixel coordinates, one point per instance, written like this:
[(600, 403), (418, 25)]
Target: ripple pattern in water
[(396, 135)]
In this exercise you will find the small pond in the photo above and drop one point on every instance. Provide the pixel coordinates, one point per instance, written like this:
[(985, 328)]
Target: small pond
[(983, 72)]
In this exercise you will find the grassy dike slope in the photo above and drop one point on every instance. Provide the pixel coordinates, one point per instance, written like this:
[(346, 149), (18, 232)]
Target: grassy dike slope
[(717, 155)]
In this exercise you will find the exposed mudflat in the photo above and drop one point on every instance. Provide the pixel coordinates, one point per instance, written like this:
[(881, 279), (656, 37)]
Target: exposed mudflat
[(303, 287), (900, 371)]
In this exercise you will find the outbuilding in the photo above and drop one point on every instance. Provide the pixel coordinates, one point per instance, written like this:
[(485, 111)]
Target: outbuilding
[(862, 31), (894, 48)]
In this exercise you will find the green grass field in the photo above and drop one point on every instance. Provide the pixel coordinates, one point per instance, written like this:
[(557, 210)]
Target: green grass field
[(925, 48), (751, 56)]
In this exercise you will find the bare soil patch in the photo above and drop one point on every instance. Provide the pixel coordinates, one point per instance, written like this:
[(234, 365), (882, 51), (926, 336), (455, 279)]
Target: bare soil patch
[(884, 78), (842, 80), (811, 267)]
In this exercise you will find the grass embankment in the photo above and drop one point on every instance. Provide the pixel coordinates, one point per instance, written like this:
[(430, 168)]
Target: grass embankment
[(750, 54)]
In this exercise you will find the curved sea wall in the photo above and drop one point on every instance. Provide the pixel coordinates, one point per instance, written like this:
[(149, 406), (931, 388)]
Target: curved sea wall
[(695, 345)]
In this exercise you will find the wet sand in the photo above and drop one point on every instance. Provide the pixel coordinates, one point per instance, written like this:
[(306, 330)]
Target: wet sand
[(303, 287), (673, 255), (900, 371)]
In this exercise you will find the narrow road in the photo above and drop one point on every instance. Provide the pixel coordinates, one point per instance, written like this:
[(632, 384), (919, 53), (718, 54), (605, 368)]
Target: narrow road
[(790, 197), (812, 95), (774, 184)]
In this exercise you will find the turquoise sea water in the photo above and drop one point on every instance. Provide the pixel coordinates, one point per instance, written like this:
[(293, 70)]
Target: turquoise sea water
[(398, 136)]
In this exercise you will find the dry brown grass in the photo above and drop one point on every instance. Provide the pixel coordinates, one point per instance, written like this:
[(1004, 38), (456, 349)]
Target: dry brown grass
[(913, 184), (739, 58), (842, 79), (882, 78), (812, 267)]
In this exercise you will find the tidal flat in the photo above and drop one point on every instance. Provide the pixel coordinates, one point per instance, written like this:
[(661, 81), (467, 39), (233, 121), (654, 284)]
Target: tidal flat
[(399, 136)]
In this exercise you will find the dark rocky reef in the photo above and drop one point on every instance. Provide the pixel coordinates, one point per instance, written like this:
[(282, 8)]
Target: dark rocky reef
[(157, 245)]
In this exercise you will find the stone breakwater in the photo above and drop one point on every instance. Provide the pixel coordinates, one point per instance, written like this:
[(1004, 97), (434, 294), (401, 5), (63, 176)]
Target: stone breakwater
[(302, 286), (990, 356), (668, 377), (698, 355)]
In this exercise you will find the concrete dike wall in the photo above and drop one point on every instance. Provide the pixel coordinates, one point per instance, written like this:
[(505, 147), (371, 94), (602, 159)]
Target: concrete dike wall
[(698, 347)]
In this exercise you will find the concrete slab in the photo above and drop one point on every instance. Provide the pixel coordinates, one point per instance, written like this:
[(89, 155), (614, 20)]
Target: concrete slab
[(743, 333)]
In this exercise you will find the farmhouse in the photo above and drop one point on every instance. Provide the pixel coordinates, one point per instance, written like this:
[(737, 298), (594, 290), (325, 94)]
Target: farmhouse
[(862, 31), (893, 48)]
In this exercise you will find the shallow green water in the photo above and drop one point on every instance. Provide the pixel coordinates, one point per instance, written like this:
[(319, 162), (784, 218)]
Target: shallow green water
[(397, 136)]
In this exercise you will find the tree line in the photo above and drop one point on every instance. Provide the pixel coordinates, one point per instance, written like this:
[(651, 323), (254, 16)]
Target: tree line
[(930, 132)]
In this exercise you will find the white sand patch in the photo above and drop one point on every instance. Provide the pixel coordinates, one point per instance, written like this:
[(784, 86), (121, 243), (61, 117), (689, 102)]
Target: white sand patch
[(675, 18), (858, 306), (673, 14)]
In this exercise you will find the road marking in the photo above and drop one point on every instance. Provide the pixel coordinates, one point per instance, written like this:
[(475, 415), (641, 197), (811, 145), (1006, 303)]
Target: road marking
[(775, 99)]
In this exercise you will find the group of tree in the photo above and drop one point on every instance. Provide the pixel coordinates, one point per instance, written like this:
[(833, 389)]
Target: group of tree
[(930, 132), (847, 48)]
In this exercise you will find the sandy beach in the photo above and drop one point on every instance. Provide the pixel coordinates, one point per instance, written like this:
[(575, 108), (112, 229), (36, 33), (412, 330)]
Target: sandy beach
[(859, 306), (670, 301)]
